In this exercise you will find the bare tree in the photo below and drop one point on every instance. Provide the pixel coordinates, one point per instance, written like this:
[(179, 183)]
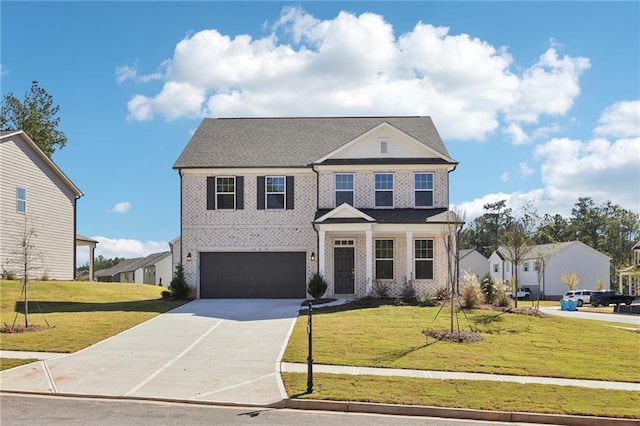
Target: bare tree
[(25, 256), (451, 236), (516, 249)]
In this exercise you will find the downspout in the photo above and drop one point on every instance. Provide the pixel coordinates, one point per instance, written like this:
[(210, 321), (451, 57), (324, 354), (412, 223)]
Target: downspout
[(313, 223), (75, 233)]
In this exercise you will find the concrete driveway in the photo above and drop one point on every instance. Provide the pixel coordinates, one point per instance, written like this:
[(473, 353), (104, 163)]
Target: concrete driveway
[(223, 350)]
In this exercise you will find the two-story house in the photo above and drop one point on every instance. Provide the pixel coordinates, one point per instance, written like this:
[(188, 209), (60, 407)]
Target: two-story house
[(266, 202), (37, 200)]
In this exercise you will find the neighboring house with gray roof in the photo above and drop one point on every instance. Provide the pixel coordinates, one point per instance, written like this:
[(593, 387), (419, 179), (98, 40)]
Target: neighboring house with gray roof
[(547, 263), (35, 195), (152, 269), (266, 202), (471, 260)]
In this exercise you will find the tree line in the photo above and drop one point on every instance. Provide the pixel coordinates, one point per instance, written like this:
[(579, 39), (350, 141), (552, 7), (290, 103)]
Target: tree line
[(607, 227), (101, 262)]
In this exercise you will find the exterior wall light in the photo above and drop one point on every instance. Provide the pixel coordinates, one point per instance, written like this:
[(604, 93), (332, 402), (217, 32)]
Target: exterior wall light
[(313, 256), (189, 257)]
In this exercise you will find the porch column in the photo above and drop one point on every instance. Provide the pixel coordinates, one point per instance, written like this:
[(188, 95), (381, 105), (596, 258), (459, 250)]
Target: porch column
[(368, 258), (321, 262), (91, 257), (620, 282), (409, 255)]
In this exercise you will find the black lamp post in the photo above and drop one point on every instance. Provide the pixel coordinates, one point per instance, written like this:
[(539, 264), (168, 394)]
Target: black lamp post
[(310, 356)]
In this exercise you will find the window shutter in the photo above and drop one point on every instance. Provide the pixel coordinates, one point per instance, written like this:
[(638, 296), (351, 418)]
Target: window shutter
[(290, 192), (239, 192), (260, 190), (211, 193)]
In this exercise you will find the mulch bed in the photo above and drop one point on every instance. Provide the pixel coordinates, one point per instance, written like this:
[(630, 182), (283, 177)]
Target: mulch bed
[(22, 328), (456, 337)]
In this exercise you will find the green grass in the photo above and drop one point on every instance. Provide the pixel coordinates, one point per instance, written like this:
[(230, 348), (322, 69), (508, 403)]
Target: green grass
[(390, 336), (478, 395), (7, 363), (80, 313)]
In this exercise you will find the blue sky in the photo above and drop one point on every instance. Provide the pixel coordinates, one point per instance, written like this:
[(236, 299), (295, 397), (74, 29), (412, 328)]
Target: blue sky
[(538, 101)]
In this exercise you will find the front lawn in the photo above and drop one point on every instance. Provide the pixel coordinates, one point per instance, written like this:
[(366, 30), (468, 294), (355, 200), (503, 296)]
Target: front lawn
[(7, 363), (79, 313), (390, 336), (470, 394)]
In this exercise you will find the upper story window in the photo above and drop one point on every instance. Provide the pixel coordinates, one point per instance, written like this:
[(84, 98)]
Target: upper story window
[(384, 259), (275, 192), (384, 189), (344, 189), (424, 259), (423, 189), (21, 200), (526, 267), (495, 267), (225, 193)]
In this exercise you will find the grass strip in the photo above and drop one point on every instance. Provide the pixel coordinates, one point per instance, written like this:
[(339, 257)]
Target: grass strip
[(469, 394), (7, 363), (80, 313)]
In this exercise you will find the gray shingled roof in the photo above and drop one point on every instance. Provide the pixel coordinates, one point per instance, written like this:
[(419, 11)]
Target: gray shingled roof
[(387, 215), (288, 142)]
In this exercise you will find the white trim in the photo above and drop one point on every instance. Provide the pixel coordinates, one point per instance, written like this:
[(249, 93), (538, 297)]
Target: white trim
[(336, 190), (235, 188), (321, 252), (266, 192), (370, 132), (341, 210), (350, 242), (393, 259), (409, 255), (368, 260), (393, 188), (426, 259), (432, 190), (23, 200)]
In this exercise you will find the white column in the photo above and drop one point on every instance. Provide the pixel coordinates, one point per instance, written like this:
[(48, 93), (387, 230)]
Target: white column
[(409, 255), (620, 282), (321, 243), (92, 247), (368, 259)]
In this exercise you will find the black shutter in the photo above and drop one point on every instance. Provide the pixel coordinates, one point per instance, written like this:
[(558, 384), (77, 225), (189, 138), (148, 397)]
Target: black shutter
[(290, 192), (239, 192), (211, 193), (260, 191)]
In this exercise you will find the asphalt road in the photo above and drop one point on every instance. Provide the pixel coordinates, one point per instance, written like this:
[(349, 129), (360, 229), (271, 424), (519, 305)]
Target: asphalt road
[(35, 410)]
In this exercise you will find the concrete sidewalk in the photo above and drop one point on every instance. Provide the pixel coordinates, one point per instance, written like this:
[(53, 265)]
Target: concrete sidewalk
[(450, 375)]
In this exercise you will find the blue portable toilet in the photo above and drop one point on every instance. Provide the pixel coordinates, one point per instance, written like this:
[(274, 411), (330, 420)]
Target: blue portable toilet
[(563, 305), (573, 305)]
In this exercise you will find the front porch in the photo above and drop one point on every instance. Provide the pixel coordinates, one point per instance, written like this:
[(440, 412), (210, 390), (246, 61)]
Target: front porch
[(359, 248)]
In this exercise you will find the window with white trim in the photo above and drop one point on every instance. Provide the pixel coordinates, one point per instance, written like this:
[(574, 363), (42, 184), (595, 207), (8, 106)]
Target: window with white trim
[(384, 259), (495, 267), (225, 192), (344, 188), (275, 192), (423, 185), (384, 189), (21, 200), (424, 259), (525, 267)]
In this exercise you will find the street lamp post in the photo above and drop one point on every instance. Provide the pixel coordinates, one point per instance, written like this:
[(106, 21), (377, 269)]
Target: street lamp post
[(310, 355)]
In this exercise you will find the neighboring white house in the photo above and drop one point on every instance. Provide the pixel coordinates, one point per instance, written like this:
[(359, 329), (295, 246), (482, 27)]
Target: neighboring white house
[(152, 269), (175, 246), (631, 273), (266, 202), (553, 260), (471, 260), (36, 194)]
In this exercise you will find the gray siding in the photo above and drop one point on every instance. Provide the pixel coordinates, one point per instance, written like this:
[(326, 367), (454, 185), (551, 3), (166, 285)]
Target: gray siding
[(50, 206)]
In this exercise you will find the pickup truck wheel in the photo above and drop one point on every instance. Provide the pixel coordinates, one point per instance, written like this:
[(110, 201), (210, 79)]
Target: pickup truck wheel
[(595, 305), (580, 303)]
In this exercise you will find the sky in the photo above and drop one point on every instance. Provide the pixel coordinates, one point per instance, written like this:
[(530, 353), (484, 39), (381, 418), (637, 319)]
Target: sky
[(539, 102)]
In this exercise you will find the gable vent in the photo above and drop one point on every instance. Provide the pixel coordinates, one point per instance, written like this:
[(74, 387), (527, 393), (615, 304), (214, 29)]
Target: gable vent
[(383, 147)]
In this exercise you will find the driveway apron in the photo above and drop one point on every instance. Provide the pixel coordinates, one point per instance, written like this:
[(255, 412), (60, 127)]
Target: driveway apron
[(222, 350)]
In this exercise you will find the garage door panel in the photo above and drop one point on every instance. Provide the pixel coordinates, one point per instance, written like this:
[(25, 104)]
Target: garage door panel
[(252, 275)]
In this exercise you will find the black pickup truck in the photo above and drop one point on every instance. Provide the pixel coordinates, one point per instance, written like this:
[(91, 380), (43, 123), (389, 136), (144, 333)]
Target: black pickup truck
[(607, 297)]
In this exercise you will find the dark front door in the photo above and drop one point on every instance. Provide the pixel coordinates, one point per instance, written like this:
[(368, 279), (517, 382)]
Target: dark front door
[(343, 276)]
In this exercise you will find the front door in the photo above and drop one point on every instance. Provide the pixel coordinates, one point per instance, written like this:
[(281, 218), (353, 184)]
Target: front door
[(343, 274)]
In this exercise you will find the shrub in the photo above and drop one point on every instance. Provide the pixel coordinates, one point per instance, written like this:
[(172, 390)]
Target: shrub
[(317, 286), (380, 290), (502, 299), (571, 280), (166, 294), (178, 286), (10, 275), (442, 293), (45, 276), (471, 296), (428, 302), (489, 289), (408, 291)]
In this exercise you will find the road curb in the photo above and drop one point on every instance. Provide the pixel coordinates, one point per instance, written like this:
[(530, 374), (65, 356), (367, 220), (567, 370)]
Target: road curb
[(454, 413)]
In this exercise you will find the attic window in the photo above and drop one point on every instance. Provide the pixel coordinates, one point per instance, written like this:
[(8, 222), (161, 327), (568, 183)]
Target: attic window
[(383, 147)]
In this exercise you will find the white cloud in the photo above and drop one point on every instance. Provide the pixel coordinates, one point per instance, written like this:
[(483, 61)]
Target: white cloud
[(126, 72), (525, 170), (516, 134), (505, 176), (121, 247), (122, 207), (355, 65), (3, 70), (621, 120), (603, 169)]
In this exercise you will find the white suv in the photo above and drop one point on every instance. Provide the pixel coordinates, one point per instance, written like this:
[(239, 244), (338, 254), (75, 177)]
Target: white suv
[(580, 296)]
